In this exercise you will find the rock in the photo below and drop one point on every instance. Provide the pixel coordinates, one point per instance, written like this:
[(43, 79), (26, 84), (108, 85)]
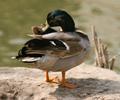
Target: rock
[(28, 84)]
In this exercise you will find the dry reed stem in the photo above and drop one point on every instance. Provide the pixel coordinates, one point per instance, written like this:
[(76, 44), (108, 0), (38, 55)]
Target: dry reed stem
[(96, 46), (112, 63), (102, 57)]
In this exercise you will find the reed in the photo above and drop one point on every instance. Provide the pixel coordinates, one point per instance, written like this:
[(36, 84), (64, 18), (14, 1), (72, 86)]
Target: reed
[(102, 59)]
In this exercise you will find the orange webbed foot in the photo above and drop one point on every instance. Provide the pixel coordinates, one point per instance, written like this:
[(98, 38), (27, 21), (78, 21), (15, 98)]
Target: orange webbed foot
[(62, 82), (53, 80), (66, 84)]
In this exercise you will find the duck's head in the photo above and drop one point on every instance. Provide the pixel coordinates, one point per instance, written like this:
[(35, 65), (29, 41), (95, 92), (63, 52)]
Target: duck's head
[(61, 18)]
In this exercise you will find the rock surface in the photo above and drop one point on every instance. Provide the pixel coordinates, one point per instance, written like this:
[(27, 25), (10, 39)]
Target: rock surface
[(28, 84)]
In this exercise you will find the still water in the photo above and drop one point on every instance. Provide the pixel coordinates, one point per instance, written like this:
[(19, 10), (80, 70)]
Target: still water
[(17, 18)]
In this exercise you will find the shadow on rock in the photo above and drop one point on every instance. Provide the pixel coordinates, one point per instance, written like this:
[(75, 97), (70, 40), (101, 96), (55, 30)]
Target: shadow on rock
[(87, 87)]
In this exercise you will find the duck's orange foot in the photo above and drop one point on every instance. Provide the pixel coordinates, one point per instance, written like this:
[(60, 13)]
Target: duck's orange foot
[(53, 80), (68, 85)]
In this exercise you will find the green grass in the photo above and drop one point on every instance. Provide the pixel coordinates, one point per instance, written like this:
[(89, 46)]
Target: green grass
[(16, 19)]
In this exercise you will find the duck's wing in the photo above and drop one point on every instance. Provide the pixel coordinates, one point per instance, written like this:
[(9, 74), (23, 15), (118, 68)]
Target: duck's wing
[(38, 48)]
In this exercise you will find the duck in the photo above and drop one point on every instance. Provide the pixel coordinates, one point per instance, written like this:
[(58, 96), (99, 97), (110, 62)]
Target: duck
[(56, 51), (42, 29)]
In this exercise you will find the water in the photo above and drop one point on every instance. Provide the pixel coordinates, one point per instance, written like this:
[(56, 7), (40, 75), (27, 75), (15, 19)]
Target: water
[(17, 18)]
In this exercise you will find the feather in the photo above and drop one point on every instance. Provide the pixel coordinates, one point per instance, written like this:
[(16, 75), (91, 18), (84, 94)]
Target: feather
[(39, 48)]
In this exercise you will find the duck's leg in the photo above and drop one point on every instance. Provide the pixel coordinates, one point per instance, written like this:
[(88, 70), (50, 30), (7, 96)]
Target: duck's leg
[(47, 76), (66, 84), (52, 80)]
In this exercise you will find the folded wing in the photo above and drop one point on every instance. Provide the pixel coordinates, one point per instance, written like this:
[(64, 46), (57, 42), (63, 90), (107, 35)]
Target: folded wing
[(39, 48)]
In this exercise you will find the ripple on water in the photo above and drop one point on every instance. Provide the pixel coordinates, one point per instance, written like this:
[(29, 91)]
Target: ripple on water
[(17, 41)]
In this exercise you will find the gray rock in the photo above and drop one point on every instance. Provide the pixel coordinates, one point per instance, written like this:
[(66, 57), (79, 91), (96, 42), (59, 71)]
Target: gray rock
[(28, 84)]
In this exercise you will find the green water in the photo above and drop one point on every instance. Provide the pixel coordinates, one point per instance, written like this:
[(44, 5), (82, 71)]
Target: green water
[(16, 19)]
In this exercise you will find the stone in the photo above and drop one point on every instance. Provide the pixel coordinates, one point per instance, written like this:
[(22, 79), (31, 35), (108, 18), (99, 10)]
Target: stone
[(21, 83)]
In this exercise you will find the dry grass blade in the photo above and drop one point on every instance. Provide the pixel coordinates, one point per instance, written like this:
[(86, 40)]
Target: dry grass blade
[(96, 46), (102, 57)]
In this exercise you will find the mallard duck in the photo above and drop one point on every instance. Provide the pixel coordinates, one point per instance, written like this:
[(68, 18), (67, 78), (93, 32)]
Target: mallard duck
[(58, 50)]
